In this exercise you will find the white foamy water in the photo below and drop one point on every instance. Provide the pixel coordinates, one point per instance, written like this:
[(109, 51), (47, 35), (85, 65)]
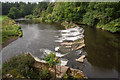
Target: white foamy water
[(63, 62), (47, 51), (71, 34)]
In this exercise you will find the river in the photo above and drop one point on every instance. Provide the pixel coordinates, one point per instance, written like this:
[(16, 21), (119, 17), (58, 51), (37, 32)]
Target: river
[(102, 48)]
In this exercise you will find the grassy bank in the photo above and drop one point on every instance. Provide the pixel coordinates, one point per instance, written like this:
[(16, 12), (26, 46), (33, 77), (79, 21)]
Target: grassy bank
[(22, 66), (9, 30), (2, 17)]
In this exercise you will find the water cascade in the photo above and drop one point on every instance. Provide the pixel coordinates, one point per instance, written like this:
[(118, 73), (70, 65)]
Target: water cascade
[(70, 40)]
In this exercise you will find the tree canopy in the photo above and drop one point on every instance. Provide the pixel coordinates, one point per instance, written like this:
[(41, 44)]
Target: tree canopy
[(97, 14)]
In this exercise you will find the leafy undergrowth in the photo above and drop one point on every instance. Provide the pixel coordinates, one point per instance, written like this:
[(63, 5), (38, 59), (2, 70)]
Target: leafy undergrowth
[(22, 66), (9, 29), (51, 59)]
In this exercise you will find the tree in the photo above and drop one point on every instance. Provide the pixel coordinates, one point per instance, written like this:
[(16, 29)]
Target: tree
[(23, 9), (13, 13), (39, 7)]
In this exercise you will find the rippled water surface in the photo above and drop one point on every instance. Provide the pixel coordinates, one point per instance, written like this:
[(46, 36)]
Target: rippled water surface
[(102, 48)]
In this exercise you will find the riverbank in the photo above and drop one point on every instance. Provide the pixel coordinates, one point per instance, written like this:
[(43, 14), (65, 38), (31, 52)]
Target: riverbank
[(65, 24), (10, 31), (102, 43), (36, 70), (112, 26), (11, 39)]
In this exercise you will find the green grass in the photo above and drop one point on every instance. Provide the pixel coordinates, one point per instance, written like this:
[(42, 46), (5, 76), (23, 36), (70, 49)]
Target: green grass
[(3, 17)]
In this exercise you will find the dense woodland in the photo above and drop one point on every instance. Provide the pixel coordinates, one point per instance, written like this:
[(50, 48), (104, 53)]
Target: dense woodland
[(105, 15), (17, 10)]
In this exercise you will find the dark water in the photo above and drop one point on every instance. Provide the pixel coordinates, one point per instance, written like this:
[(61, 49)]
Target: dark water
[(103, 52), (102, 48)]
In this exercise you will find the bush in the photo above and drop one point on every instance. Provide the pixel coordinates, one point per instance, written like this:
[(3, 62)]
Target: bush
[(20, 33), (10, 29), (89, 19), (29, 16), (50, 59), (113, 26), (41, 19), (48, 21), (45, 74), (21, 66), (14, 13)]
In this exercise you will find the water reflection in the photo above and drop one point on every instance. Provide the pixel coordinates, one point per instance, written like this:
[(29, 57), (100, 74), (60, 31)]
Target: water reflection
[(102, 48)]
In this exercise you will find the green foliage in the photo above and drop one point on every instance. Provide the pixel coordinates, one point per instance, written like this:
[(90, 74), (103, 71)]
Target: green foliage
[(103, 15), (22, 7), (48, 21), (113, 26), (29, 16), (20, 33), (50, 59), (93, 13), (22, 66), (36, 20), (15, 73), (49, 56), (39, 8), (45, 74), (13, 13), (68, 76), (2, 17), (10, 29), (90, 13), (41, 19), (89, 19)]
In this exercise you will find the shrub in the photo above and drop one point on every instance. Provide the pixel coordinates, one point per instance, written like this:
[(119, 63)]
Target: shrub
[(48, 21), (50, 59), (41, 19), (29, 16), (10, 29), (21, 66), (45, 74), (89, 18), (20, 33), (113, 26)]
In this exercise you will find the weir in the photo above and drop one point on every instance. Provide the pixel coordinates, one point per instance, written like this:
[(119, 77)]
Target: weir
[(70, 40)]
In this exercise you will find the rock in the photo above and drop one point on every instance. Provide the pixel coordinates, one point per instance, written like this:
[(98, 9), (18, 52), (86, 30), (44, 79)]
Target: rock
[(70, 43), (62, 70), (79, 52), (67, 43), (68, 46), (80, 46), (9, 75), (75, 71), (81, 59), (36, 58)]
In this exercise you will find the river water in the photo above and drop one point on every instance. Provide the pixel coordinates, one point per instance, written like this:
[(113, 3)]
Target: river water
[(102, 48)]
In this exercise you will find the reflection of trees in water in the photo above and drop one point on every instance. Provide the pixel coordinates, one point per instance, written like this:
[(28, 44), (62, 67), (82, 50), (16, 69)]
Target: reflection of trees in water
[(102, 48), (119, 61)]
